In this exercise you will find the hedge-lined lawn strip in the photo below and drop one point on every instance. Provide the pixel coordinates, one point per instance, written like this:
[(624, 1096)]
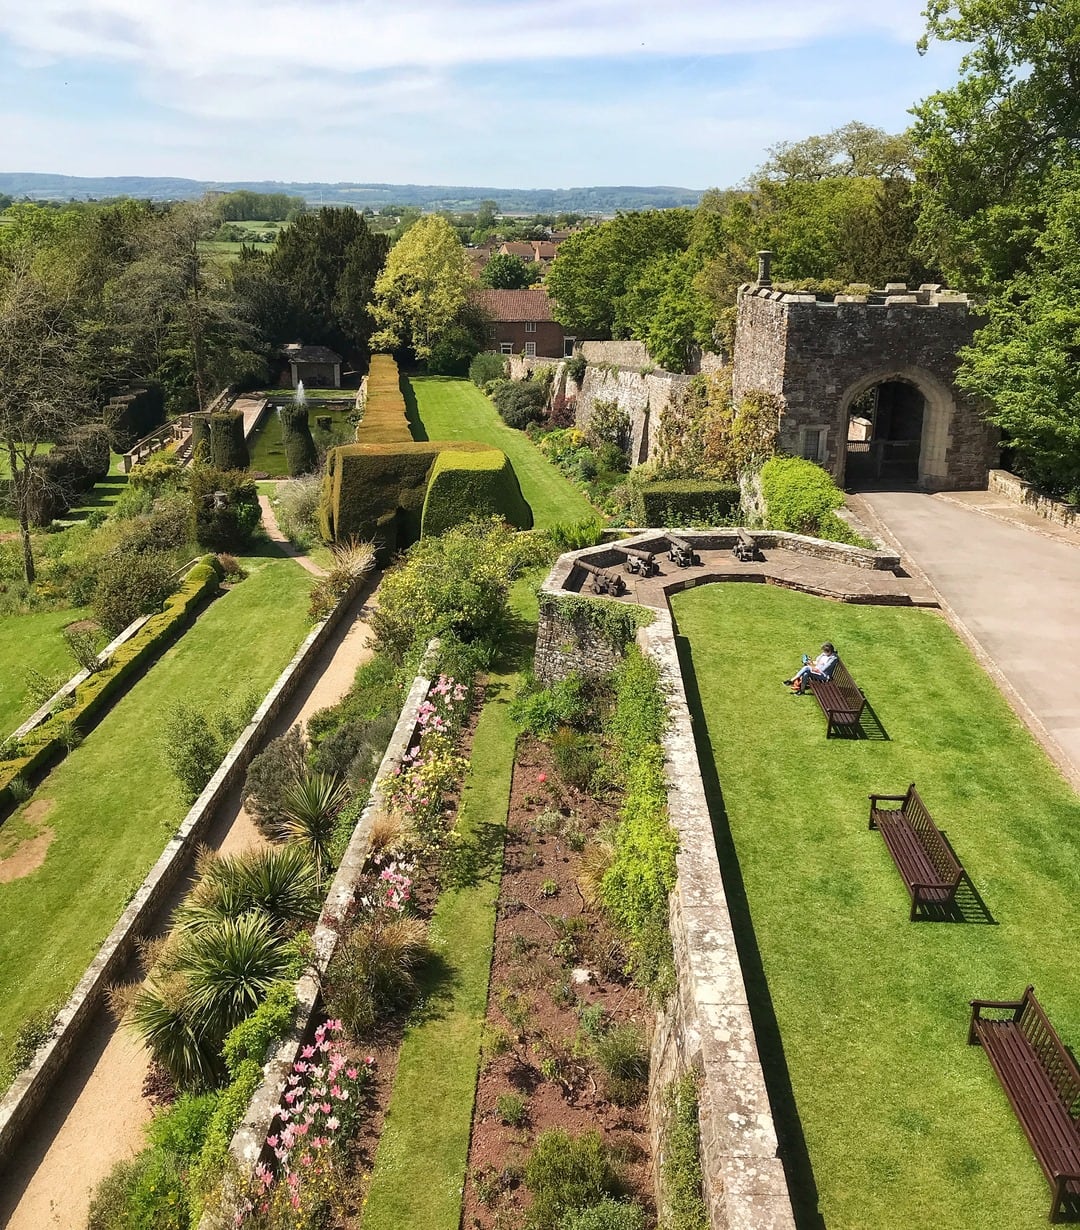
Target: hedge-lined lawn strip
[(905, 1125), (113, 804), (451, 409), (419, 1172), (31, 642)]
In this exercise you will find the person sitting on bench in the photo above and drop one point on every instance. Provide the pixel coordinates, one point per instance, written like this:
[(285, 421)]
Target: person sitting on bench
[(821, 668)]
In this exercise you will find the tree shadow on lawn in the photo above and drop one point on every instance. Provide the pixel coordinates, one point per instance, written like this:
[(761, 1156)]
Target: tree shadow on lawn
[(435, 986), (103, 494), (476, 860), (412, 412), (791, 1139)]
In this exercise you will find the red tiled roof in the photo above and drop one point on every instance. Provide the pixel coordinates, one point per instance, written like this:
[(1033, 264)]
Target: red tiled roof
[(516, 305)]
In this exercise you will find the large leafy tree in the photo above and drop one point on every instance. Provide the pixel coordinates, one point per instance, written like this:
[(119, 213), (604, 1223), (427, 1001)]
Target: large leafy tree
[(1026, 361), (986, 146), (422, 293), (504, 271)]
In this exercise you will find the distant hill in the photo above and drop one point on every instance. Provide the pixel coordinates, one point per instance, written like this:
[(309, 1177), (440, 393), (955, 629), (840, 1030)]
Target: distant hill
[(426, 196)]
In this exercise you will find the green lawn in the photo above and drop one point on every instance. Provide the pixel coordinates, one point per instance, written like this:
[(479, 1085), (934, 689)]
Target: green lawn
[(441, 408), (420, 1164), (31, 642), (112, 805), (905, 1125)]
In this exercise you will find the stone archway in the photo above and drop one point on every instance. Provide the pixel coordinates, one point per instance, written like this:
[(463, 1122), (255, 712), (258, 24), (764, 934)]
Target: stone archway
[(909, 426)]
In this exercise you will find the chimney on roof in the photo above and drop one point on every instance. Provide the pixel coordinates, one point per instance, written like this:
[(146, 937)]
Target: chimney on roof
[(764, 267)]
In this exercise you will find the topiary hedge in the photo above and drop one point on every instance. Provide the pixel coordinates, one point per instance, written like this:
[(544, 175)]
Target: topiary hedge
[(300, 453), (463, 485), (385, 418), (200, 439), (224, 508), (802, 498), (682, 501), (228, 449), (45, 743), (130, 416)]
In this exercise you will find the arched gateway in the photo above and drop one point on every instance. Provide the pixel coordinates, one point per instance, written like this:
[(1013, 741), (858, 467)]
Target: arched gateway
[(867, 383)]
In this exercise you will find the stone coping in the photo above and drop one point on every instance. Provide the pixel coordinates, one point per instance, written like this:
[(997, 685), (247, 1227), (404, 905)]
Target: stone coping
[(32, 1086), (896, 294), (248, 1145), (707, 1027), (1028, 495)]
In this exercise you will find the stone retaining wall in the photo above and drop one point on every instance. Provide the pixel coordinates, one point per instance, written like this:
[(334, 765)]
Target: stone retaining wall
[(32, 1086), (706, 1027), (1021, 492)]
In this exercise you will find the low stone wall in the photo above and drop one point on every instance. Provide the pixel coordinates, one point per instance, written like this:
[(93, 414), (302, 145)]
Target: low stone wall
[(565, 642), (1021, 492), (706, 1027), (248, 1144), (32, 1086)]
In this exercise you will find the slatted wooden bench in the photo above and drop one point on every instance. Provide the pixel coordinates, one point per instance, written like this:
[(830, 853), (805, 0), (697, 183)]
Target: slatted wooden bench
[(603, 581), (1042, 1081), (840, 699), (928, 867), (745, 548)]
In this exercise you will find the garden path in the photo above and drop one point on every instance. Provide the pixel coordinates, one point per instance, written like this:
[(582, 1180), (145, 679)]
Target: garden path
[(276, 535), (96, 1112), (1012, 589)]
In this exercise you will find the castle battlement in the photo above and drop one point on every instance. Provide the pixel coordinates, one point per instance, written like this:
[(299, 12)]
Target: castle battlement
[(894, 295)]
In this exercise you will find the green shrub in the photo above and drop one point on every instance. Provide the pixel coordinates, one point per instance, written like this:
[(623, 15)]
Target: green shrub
[(521, 402), (566, 1174), (373, 971), (487, 366), (196, 740), (300, 451), (802, 498), (269, 776), (297, 509), (541, 711), (224, 508), (608, 1215), (232, 1103), (268, 1024), (680, 1169), (130, 584), (147, 1193), (575, 756), (463, 486), (575, 368), (623, 1055), (576, 535), (228, 449), (158, 473), (200, 440), (182, 1128), (678, 502), (512, 1109)]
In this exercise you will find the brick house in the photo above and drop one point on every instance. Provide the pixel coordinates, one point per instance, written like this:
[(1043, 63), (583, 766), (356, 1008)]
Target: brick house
[(522, 322)]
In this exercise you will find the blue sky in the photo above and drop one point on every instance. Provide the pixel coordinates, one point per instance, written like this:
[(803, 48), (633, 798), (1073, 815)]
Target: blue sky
[(511, 93)]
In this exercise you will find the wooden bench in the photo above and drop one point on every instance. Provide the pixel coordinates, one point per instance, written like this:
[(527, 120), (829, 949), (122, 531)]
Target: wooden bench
[(680, 552), (840, 699), (603, 581), (927, 865), (1042, 1081), (642, 562), (745, 548)]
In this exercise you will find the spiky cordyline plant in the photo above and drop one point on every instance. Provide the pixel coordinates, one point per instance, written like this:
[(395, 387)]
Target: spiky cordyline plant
[(309, 813), (279, 881)]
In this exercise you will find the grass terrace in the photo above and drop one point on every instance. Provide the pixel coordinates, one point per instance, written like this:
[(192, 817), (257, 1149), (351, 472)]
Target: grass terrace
[(99, 821), (31, 642), (442, 408), (905, 1126)]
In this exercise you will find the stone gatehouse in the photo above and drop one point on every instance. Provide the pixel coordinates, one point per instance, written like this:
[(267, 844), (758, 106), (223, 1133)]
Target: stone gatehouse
[(867, 382)]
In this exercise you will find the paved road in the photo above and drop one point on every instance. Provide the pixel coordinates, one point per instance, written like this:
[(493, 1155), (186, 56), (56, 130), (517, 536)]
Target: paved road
[(1017, 592)]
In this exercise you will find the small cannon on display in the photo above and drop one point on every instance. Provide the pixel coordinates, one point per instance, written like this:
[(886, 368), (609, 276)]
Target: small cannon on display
[(603, 581), (642, 562), (680, 552), (745, 548)]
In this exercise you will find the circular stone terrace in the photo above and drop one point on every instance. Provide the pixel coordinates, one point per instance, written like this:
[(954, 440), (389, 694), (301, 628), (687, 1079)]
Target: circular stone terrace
[(812, 565)]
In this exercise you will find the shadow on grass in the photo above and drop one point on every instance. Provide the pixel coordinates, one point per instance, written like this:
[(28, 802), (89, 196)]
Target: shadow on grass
[(412, 412), (869, 726), (516, 646), (105, 492), (792, 1148), (476, 860), (435, 985)]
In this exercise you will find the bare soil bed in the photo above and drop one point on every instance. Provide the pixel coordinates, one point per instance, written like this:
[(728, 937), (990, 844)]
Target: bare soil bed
[(556, 965)]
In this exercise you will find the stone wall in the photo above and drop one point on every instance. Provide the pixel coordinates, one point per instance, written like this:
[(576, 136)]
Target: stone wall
[(565, 643), (818, 354), (32, 1086), (1021, 492), (644, 397)]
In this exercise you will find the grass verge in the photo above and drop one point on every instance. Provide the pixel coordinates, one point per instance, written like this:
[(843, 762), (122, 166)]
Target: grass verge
[(419, 1172), (442, 408), (100, 820), (862, 1011), (31, 642)]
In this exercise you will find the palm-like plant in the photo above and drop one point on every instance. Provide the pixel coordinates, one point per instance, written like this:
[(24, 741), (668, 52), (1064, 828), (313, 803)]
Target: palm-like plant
[(309, 812), (279, 882), (162, 1015)]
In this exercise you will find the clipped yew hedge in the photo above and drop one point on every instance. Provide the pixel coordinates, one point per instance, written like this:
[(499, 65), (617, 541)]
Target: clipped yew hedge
[(385, 418), (682, 501), (463, 485), (46, 743)]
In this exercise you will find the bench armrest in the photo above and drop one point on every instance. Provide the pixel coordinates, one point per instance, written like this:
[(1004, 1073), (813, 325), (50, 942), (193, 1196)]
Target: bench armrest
[(978, 1004), (887, 798)]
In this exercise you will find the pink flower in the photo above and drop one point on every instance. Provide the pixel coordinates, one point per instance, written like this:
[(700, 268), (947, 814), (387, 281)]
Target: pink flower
[(369, 1060), (272, 1141), (541, 777), (353, 1073), (308, 1052)]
